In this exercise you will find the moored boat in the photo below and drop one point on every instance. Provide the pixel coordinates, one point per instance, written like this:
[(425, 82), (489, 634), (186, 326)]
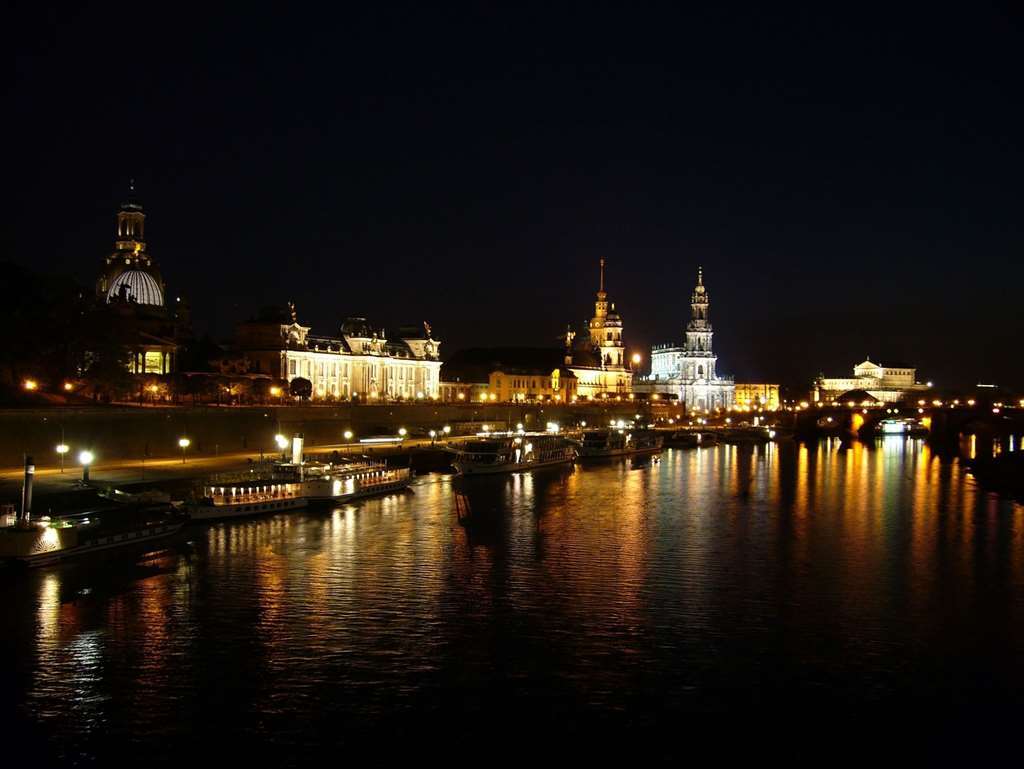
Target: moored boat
[(512, 452), (617, 442), (686, 439), (46, 541), (355, 480), (246, 497), (283, 487)]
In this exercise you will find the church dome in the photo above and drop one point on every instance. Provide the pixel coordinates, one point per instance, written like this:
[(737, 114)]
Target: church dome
[(136, 286)]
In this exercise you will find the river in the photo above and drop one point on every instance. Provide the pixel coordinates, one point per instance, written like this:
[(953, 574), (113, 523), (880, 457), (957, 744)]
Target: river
[(616, 598)]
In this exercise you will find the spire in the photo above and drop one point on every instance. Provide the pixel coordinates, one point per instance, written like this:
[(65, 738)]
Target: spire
[(601, 286), (131, 203), (700, 275)]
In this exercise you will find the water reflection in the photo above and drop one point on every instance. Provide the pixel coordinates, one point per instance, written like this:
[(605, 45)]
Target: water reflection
[(724, 576)]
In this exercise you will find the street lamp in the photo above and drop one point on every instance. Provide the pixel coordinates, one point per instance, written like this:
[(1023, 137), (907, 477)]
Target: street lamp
[(402, 431), (62, 449), (348, 435), (448, 428), (637, 358), (433, 435), (184, 443), (282, 443), (31, 384), (85, 459)]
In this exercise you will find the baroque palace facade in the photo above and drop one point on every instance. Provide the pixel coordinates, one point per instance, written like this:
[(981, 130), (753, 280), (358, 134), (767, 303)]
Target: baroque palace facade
[(360, 363)]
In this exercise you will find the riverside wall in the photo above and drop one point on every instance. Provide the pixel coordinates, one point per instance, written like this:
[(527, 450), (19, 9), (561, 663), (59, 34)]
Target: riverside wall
[(131, 432)]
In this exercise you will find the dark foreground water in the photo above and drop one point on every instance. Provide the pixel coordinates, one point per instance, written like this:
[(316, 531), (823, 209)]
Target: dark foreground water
[(651, 604)]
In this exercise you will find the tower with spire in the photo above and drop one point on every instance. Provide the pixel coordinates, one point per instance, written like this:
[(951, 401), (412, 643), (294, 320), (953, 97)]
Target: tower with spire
[(606, 328), (598, 360), (688, 371), (699, 359)]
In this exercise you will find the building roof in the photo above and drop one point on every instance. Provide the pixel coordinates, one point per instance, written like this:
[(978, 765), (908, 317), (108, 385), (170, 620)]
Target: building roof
[(136, 286), (539, 370), (476, 363)]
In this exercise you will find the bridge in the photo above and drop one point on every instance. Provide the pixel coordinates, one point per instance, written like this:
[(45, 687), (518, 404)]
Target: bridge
[(945, 422)]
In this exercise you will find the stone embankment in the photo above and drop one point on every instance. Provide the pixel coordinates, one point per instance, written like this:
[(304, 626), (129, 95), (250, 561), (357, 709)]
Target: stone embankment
[(126, 432)]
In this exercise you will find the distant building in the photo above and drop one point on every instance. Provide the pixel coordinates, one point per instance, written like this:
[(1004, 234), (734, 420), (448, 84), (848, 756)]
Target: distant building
[(533, 384), (361, 362), (689, 370), (752, 395), (598, 360), (458, 391), (508, 374), (889, 384), (130, 285)]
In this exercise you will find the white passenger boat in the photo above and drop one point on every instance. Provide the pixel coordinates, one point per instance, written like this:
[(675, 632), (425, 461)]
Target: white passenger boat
[(512, 452), (618, 442), (283, 487), (355, 480), (247, 497)]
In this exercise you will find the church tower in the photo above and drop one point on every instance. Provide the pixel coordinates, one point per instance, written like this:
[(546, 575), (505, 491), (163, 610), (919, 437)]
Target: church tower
[(130, 274), (698, 359), (606, 328)]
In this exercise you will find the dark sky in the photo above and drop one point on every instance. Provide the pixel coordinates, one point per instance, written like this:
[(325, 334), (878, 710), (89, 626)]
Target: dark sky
[(850, 180)]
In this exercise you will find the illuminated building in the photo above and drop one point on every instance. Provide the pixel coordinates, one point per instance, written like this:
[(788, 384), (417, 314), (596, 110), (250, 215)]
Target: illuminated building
[(504, 374), (130, 286), (598, 361), (889, 384), (689, 370), (457, 391), (532, 384), (361, 362), (753, 395)]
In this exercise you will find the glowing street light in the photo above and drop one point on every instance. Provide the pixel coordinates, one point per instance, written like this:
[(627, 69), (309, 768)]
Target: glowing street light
[(184, 443), (62, 449), (30, 385), (446, 429), (68, 387), (637, 357), (402, 431), (348, 435), (85, 458)]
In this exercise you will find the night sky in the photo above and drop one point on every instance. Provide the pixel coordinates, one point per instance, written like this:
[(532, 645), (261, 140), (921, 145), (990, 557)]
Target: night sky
[(851, 182)]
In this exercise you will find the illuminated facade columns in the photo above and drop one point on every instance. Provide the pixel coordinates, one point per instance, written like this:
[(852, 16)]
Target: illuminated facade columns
[(340, 375), (748, 395), (152, 360), (361, 364)]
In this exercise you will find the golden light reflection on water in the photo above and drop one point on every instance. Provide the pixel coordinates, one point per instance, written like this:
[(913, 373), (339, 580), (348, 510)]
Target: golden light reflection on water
[(592, 575)]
